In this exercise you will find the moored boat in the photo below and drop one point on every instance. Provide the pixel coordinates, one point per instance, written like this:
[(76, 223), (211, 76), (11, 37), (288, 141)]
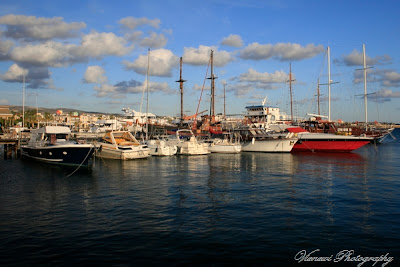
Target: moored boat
[(187, 143), (228, 145), (326, 142), (259, 140), (121, 145), (51, 144), (160, 147)]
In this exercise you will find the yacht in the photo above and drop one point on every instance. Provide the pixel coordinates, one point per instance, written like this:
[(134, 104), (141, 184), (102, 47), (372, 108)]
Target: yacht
[(52, 144)]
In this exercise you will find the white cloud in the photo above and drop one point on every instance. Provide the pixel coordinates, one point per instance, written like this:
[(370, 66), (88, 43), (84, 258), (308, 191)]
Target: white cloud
[(391, 78), (356, 58), (15, 73), (98, 45), (121, 89), (233, 40), (201, 56), (47, 54), (5, 48), (105, 90), (154, 40), (384, 95), (95, 74), (254, 76), (132, 23), (3, 102), (33, 28), (280, 51), (162, 61), (55, 54)]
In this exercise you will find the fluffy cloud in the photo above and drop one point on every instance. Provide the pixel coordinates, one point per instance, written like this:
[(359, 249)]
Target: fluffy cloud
[(355, 58), (95, 74), (233, 40), (5, 48), (55, 54), (33, 28), (51, 54), (201, 56), (121, 89), (254, 76), (132, 23), (280, 51), (387, 78), (384, 95), (14, 74), (98, 45), (162, 62), (154, 41)]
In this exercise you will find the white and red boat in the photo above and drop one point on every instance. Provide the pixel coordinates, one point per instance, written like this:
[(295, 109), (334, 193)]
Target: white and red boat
[(326, 142)]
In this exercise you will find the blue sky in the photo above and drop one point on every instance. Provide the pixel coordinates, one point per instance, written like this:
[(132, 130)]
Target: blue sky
[(92, 55)]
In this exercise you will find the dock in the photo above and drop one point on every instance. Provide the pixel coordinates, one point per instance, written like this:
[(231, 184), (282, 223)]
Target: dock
[(12, 144)]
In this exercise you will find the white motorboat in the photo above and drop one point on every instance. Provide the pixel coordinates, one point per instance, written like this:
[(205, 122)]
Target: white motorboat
[(261, 141), (121, 145), (51, 144), (187, 143), (160, 147)]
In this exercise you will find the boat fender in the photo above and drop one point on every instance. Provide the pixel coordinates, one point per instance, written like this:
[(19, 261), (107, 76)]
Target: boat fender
[(253, 140)]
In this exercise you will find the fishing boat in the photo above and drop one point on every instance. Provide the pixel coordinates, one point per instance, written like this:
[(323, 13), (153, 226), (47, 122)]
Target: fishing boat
[(187, 143), (259, 140), (121, 145), (52, 144)]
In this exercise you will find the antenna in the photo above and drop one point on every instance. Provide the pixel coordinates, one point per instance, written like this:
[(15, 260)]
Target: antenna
[(264, 101)]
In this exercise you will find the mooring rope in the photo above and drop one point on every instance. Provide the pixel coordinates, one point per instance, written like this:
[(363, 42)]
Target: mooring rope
[(81, 162)]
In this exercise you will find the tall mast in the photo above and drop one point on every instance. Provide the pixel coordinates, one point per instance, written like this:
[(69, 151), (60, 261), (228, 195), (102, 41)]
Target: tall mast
[(181, 81), (290, 87), (147, 89), (212, 78), (318, 96), (224, 102), (365, 87), (329, 83), (23, 100)]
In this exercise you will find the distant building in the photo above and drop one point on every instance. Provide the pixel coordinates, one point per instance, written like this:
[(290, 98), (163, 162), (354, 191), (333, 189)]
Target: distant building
[(5, 112)]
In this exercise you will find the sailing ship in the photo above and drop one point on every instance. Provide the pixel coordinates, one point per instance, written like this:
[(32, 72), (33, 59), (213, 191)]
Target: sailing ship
[(52, 144), (326, 142)]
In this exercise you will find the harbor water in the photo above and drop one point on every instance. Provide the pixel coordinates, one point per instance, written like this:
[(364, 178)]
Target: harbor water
[(248, 209)]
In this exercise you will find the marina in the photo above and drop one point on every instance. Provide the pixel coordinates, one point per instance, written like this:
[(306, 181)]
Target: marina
[(246, 208), (199, 133)]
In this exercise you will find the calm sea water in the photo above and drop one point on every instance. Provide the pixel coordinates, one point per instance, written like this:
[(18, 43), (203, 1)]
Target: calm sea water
[(251, 208)]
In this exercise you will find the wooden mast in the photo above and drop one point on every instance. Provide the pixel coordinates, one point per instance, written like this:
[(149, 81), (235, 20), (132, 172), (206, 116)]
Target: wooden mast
[(224, 102), (181, 81), (212, 78), (290, 89), (318, 96)]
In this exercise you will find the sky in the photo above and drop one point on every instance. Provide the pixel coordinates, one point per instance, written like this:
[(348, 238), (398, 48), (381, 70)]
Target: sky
[(95, 55)]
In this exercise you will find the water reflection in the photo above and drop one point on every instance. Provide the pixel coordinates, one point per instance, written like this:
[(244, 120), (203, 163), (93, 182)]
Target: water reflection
[(249, 205)]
